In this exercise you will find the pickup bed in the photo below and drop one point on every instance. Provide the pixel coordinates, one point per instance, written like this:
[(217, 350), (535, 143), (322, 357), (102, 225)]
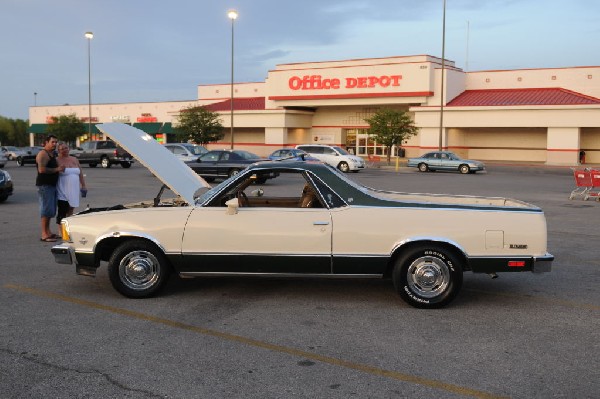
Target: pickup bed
[(105, 153)]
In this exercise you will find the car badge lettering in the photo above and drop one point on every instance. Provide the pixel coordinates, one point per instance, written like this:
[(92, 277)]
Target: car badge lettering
[(518, 246)]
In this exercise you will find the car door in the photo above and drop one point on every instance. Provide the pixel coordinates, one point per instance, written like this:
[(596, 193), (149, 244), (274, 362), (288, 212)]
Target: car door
[(208, 163), (445, 162), (86, 153), (433, 160), (275, 237)]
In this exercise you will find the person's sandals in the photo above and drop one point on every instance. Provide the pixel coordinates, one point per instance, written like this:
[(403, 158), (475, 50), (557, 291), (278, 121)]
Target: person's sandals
[(48, 239)]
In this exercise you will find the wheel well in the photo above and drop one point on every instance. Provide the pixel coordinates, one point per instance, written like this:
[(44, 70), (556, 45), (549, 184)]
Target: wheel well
[(399, 251), (106, 247)]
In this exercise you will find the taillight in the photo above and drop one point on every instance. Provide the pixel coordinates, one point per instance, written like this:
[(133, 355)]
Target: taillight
[(516, 263)]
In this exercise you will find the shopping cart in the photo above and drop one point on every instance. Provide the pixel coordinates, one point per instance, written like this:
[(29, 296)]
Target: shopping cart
[(587, 184)]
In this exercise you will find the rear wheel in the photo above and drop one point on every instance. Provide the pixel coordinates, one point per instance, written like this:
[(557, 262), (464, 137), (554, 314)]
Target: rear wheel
[(428, 276), (423, 167), (464, 169), (20, 161), (3, 198), (138, 269), (126, 164), (105, 163), (343, 166)]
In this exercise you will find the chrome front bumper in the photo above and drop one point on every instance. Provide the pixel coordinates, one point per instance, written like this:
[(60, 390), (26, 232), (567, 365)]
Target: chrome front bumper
[(63, 254)]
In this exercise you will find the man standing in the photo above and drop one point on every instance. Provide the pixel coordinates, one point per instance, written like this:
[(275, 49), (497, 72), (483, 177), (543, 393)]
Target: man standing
[(47, 177)]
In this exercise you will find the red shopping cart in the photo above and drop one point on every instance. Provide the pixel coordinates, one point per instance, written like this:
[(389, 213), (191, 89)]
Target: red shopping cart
[(587, 184)]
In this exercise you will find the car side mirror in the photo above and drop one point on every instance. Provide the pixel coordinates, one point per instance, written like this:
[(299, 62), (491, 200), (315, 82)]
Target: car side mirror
[(232, 206)]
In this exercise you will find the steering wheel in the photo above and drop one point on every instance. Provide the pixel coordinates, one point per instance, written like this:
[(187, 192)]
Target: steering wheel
[(242, 199)]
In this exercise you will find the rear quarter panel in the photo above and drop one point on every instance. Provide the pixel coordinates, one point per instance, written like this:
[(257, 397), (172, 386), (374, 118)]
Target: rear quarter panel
[(378, 231)]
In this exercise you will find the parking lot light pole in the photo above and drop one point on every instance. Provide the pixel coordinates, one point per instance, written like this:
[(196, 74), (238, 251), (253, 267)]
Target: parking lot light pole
[(89, 36), (232, 14), (442, 101)]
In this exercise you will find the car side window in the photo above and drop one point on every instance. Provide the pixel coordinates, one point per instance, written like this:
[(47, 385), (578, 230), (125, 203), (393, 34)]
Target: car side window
[(288, 189), (210, 157), (329, 151)]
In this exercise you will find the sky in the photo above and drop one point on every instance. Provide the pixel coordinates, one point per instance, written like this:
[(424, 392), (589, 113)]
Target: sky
[(156, 50)]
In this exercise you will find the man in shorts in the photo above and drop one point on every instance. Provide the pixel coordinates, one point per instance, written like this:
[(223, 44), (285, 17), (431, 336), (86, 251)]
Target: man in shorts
[(46, 180)]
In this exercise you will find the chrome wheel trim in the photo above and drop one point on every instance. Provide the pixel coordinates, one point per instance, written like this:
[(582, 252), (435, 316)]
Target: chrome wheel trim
[(104, 162), (344, 167), (423, 167), (428, 277), (464, 169), (139, 270)]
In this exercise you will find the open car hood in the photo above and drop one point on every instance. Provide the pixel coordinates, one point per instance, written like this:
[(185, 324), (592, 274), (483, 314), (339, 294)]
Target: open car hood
[(175, 174)]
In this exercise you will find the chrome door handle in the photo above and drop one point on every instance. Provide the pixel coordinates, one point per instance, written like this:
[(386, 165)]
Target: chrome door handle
[(320, 223)]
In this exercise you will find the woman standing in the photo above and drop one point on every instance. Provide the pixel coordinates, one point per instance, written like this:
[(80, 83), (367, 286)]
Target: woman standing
[(70, 183)]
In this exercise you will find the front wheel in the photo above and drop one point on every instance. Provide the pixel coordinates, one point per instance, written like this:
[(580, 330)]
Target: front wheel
[(343, 166), (427, 276), (20, 161), (138, 269), (233, 172), (464, 169)]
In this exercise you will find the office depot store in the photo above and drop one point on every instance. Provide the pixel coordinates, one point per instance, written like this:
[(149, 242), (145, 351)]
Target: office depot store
[(542, 115)]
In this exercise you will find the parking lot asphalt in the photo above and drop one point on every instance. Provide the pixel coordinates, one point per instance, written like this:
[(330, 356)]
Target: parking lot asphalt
[(518, 336)]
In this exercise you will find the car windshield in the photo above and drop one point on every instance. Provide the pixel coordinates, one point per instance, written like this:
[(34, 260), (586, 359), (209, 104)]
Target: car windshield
[(341, 150)]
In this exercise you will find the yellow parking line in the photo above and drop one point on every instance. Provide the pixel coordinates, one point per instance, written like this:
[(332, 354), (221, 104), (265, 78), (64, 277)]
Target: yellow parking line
[(265, 345)]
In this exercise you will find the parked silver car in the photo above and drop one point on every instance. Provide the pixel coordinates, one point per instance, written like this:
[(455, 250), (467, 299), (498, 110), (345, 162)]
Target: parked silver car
[(185, 151), (445, 160)]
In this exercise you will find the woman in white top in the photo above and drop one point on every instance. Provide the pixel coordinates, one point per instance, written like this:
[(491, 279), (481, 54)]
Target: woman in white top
[(70, 183)]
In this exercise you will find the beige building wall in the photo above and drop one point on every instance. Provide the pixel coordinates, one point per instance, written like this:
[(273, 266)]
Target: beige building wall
[(319, 101)]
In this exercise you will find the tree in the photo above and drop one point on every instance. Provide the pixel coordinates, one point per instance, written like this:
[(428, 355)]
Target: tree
[(391, 127), (66, 127), (13, 132), (199, 125)]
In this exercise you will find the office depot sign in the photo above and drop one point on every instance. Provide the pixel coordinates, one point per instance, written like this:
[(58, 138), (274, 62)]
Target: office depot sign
[(317, 82)]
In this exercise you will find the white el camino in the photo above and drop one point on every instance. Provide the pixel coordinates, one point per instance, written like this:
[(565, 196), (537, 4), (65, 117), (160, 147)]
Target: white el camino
[(308, 221)]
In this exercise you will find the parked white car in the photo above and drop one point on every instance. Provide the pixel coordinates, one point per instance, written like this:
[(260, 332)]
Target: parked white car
[(185, 151), (310, 220), (334, 156), (12, 152)]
